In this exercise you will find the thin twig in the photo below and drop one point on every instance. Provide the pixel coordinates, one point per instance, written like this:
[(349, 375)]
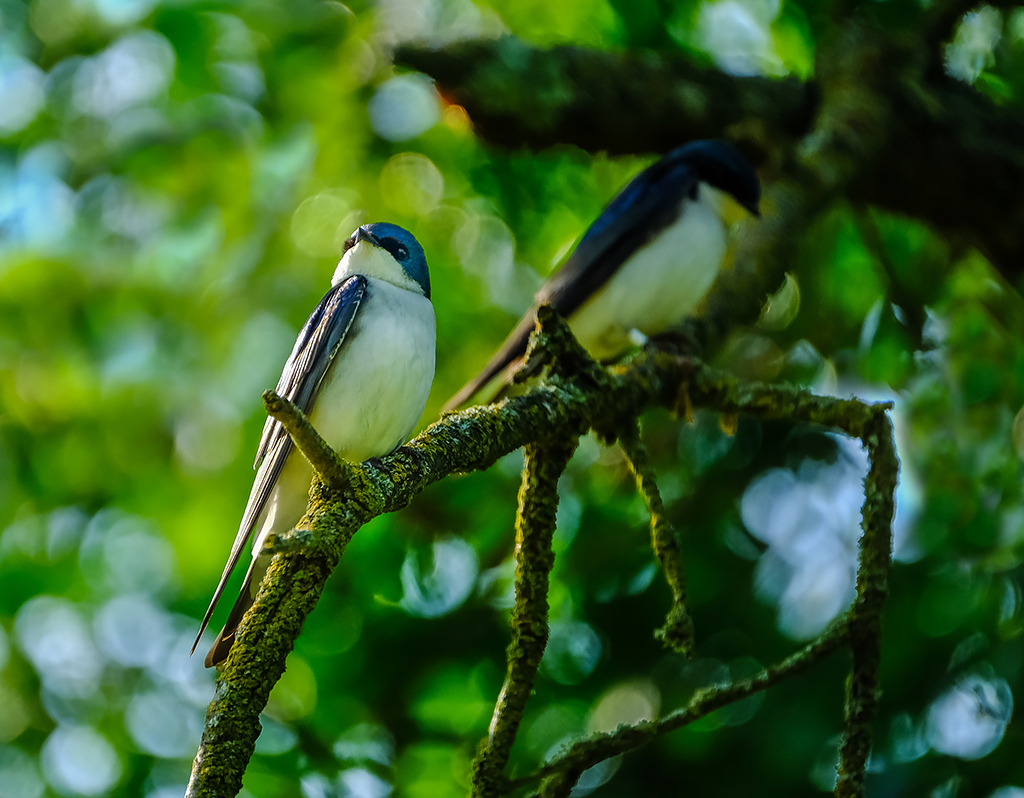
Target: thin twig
[(331, 469), (677, 632), (589, 752)]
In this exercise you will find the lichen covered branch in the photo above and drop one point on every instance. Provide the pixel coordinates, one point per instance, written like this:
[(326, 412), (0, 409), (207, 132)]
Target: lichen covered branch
[(329, 467), (461, 442), (535, 527), (289, 592), (586, 753), (865, 619), (677, 632)]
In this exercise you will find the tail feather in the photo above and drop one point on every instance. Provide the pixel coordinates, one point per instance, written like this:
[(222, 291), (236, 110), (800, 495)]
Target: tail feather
[(222, 645), (510, 353)]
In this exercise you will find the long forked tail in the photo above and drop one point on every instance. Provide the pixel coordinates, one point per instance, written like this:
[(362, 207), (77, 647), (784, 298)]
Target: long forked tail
[(222, 645)]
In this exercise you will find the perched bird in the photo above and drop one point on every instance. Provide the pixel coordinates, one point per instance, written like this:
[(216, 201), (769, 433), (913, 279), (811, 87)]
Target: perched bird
[(361, 370), (648, 259)]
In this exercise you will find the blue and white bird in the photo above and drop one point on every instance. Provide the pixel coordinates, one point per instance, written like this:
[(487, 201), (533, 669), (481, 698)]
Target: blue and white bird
[(361, 370), (646, 262)]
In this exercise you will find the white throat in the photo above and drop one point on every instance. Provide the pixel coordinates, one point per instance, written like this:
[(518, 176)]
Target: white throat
[(370, 261), (722, 203)]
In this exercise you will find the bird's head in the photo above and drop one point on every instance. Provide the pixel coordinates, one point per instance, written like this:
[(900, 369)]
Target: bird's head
[(388, 252), (723, 167)]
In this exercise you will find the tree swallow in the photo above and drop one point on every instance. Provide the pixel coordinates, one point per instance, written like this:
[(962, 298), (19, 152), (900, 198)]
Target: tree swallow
[(361, 370), (647, 261)]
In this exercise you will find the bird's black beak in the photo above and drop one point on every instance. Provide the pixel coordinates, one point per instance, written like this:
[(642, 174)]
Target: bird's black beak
[(362, 234), (754, 210)]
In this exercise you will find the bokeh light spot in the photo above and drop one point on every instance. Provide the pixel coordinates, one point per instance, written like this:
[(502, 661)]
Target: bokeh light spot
[(21, 93), (78, 760), (55, 637), (404, 108), (411, 184), (19, 774), (630, 703), (572, 652), (447, 585), (968, 720), (162, 725), (366, 742)]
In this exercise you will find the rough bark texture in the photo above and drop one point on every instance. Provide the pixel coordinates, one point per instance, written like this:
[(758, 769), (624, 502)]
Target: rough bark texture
[(535, 528)]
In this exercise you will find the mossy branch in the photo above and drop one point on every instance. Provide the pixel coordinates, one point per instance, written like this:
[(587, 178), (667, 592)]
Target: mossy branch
[(473, 439), (535, 528), (329, 467), (677, 632), (866, 615), (586, 753)]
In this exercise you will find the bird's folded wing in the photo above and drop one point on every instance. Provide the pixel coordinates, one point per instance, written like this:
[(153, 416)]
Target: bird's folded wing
[(318, 344), (644, 208)]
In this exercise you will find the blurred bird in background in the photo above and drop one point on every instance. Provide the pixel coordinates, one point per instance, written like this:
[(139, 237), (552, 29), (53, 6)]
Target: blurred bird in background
[(646, 262), (361, 370)]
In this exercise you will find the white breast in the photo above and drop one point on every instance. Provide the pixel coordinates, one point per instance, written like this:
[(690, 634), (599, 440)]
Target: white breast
[(375, 392), (371, 397), (658, 286)]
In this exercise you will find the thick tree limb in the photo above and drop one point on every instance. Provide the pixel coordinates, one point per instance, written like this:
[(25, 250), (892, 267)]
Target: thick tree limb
[(949, 156), (520, 96)]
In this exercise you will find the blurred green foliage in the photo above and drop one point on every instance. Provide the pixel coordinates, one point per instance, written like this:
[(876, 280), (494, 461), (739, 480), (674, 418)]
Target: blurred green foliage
[(176, 179)]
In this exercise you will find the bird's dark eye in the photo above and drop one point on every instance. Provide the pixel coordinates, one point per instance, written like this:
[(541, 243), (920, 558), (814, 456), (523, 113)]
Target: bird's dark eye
[(398, 250)]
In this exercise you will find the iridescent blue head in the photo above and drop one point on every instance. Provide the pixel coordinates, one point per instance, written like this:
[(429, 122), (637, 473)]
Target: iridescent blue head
[(401, 245), (722, 166)]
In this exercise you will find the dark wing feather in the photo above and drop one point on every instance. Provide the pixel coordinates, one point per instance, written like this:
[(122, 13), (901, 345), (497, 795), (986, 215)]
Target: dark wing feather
[(315, 349), (644, 208)]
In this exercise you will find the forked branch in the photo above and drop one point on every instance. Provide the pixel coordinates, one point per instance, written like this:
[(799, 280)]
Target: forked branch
[(547, 420)]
